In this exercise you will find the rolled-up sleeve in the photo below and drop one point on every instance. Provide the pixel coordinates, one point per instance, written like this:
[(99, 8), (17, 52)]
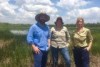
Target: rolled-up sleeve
[(89, 35)]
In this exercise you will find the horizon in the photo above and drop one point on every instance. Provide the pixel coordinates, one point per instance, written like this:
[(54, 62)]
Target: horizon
[(46, 23)]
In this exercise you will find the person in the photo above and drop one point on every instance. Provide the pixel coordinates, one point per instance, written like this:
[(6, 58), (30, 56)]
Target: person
[(60, 39), (39, 38), (82, 41)]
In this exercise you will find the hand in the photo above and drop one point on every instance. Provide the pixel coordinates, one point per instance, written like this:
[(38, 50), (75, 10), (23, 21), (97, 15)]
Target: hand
[(49, 42), (87, 48), (35, 49), (48, 46), (68, 44)]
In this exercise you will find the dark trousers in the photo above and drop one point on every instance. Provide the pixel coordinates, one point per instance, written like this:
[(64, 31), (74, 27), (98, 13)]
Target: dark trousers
[(40, 60), (81, 57)]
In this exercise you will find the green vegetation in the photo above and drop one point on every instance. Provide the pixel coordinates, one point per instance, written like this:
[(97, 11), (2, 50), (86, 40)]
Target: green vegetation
[(14, 51), (6, 26)]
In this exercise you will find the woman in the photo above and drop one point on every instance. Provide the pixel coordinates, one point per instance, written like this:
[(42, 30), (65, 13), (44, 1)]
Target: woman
[(59, 42), (82, 41)]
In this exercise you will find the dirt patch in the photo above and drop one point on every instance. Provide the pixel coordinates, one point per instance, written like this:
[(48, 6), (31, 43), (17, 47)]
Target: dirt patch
[(95, 61)]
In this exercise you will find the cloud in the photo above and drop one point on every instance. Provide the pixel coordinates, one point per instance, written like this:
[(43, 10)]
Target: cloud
[(35, 2), (3, 1), (91, 15), (38, 8), (24, 11), (70, 4), (7, 12), (6, 9), (47, 2)]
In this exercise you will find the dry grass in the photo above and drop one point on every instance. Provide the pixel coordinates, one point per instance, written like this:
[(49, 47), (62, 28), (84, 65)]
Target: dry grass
[(4, 43), (94, 61)]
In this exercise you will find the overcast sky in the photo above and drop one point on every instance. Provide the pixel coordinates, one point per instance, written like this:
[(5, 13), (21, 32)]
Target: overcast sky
[(24, 11)]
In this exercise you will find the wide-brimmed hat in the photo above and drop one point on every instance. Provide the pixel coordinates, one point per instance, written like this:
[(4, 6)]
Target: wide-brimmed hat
[(37, 17)]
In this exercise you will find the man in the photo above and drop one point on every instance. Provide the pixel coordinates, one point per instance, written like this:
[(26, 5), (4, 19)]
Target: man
[(39, 38)]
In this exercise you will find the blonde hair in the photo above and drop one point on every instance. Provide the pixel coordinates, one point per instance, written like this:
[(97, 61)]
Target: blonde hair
[(80, 18)]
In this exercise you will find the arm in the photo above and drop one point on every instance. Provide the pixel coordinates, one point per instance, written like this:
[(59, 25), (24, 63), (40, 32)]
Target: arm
[(90, 40), (49, 40), (30, 40), (90, 45), (49, 43), (30, 36), (68, 35), (35, 49)]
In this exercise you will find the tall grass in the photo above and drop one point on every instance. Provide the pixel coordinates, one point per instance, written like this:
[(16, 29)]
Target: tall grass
[(17, 53)]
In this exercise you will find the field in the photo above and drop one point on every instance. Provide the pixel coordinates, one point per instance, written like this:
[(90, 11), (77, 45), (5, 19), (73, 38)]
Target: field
[(14, 51)]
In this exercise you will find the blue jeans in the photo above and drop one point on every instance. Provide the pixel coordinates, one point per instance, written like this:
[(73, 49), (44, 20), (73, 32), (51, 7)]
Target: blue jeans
[(64, 53), (40, 60), (81, 57)]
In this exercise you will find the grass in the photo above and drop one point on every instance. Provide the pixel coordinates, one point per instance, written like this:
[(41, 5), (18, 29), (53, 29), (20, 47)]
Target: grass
[(96, 42), (6, 26), (16, 53)]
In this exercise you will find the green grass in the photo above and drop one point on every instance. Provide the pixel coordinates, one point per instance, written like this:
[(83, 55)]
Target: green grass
[(18, 53), (6, 26), (96, 42), (15, 54)]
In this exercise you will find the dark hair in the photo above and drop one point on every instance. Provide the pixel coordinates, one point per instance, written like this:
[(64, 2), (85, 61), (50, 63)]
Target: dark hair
[(59, 18)]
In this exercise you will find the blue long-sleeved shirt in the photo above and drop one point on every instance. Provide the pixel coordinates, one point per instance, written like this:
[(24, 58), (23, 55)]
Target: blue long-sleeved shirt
[(39, 35)]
